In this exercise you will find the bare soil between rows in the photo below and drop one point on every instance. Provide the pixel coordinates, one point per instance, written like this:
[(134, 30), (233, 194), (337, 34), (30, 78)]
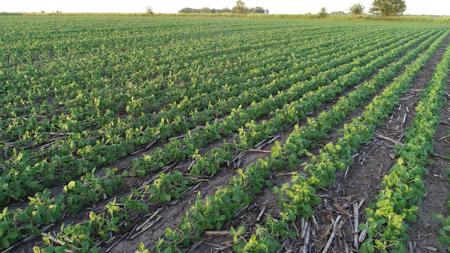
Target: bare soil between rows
[(170, 215), (360, 184), (264, 204), (356, 187), (424, 232)]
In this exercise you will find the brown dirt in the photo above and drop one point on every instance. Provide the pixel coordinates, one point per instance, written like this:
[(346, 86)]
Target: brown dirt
[(361, 184), (208, 188), (170, 214), (123, 163), (130, 183), (265, 203), (174, 209), (424, 232)]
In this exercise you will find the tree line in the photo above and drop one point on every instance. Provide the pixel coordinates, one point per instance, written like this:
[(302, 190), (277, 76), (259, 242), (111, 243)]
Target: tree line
[(379, 7), (239, 7)]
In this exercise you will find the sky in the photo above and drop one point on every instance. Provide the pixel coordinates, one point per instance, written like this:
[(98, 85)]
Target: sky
[(429, 7)]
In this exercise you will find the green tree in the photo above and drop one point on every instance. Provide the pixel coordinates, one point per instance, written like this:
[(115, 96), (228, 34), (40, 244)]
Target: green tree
[(240, 7), (357, 9), (323, 13), (388, 7)]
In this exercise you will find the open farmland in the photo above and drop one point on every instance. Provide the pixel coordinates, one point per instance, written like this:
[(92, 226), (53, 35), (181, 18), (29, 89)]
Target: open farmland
[(204, 134)]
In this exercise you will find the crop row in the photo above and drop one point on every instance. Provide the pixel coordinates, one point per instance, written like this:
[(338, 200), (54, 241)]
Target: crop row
[(74, 121), (402, 190), (298, 197), (26, 181), (91, 189), (159, 64), (69, 96), (171, 186), (164, 40), (59, 152), (444, 231), (146, 101), (163, 65)]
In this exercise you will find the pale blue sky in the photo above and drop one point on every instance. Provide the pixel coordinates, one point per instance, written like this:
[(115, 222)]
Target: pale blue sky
[(434, 7)]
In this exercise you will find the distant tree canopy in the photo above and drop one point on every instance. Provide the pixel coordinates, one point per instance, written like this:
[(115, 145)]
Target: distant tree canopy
[(260, 10), (337, 13), (357, 9), (388, 7), (204, 10), (240, 7), (323, 12)]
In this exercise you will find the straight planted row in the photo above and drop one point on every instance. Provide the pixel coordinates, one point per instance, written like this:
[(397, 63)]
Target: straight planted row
[(22, 182), (92, 188), (129, 206)]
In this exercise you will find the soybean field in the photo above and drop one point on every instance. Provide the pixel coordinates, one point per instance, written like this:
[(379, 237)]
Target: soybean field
[(124, 133)]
